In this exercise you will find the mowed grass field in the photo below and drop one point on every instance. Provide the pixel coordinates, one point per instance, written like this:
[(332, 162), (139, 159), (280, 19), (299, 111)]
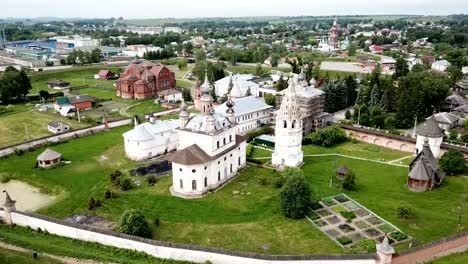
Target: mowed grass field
[(16, 257), (459, 258), (244, 215), (13, 125)]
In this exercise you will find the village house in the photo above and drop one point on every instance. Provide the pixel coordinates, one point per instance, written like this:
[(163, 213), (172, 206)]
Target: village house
[(171, 95), (104, 75), (447, 121), (142, 80), (49, 159), (244, 81), (58, 127), (82, 101), (462, 86), (376, 49), (60, 102), (440, 65), (58, 84)]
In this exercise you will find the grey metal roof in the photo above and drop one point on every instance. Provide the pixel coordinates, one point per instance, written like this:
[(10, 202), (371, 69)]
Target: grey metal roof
[(425, 166), (49, 154), (147, 131), (244, 105), (430, 128), (81, 98), (446, 118), (57, 124)]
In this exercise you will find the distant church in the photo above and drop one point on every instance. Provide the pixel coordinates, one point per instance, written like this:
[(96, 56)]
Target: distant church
[(210, 153), (288, 130)]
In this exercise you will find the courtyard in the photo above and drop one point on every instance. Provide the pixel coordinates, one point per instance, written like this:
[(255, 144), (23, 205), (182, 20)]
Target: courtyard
[(245, 215)]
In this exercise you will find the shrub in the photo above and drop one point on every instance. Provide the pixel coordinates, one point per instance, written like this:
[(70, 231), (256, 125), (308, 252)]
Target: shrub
[(18, 152), (93, 204), (279, 181), (132, 222), (403, 212), (114, 176), (108, 194), (328, 137), (348, 215), (263, 180), (398, 236), (349, 182), (125, 184), (344, 240), (364, 246), (260, 131), (156, 221), (249, 150), (295, 197), (151, 180), (348, 115), (453, 135), (452, 162)]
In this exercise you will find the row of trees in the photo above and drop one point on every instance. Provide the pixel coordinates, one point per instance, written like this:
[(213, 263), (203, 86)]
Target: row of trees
[(162, 54), (81, 57), (14, 85)]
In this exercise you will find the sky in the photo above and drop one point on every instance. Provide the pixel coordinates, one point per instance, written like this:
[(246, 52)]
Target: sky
[(224, 8)]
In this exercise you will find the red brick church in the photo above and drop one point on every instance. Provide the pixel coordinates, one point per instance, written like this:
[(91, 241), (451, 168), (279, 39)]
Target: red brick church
[(142, 80)]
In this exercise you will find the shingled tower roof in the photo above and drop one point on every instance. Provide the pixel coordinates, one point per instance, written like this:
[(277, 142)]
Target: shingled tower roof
[(430, 128)]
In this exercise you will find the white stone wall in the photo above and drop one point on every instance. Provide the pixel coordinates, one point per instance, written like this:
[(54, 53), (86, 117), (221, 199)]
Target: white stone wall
[(160, 251), (252, 121), (209, 143)]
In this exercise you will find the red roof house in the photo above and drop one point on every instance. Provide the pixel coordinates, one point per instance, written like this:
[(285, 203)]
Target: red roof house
[(105, 74), (376, 49)]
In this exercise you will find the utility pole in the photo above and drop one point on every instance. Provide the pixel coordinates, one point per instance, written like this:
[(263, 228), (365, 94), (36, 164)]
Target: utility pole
[(78, 115)]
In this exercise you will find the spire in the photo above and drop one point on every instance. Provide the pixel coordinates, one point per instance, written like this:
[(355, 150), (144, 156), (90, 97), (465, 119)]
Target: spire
[(385, 247), (8, 201), (183, 115), (206, 86)]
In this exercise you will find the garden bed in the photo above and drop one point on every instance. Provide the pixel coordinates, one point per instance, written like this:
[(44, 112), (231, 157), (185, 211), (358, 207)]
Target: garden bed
[(346, 222)]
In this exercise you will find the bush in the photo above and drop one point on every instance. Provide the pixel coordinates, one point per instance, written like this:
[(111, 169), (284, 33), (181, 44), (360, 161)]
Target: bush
[(270, 99), (18, 152), (348, 115), (263, 181), (328, 137), (344, 240), (151, 180), (125, 184), (349, 182), (249, 150), (398, 236), (295, 197), (260, 131), (108, 194), (403, 212), (452, 162), (279, 181), (364, 246), (348, 215), (114, 177), (156, 221), (93, 204), (453, 135), (132, 222)]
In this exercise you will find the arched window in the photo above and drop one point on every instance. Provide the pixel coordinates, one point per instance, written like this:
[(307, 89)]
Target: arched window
[(230, 138), (238, 161), (293, 124), (206, 182), (230, 168), (285, 124), (194, 185), (219, 175), (181, 183), (217, 144), (224, 141)]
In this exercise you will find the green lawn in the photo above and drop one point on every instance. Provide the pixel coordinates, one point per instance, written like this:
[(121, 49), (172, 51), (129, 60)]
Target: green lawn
[(76, 77), (12, 125), (145, 107), (60, 246), (245, 214), (100, 93), (10, 256), (184, 84), (459, 258)]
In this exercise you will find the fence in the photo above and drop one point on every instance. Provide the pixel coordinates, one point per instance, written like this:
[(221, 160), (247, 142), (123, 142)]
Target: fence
[(44, 141)]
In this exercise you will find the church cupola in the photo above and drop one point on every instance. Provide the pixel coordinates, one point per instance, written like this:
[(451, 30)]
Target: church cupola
[(184, 115), (230, 114), (206, 101)]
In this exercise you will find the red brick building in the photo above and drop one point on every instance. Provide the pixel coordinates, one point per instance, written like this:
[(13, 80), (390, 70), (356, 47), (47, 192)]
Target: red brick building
[(142, 80)]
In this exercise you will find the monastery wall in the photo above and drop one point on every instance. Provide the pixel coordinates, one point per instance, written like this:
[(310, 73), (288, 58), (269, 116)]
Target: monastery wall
[(62, 137), (166, 250)]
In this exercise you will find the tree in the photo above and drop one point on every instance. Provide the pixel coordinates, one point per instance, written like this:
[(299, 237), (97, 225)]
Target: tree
[(281, 84), (182, 64), (401, 67), (375, 76), (455, 73), (295, 197), (352, 93), (349, 183), (200, 55), (44, 94), (275, 59), (259, 70), (452, 162), (453, 134), (186, 95), (389, 99), (95, 56), (328, 137), (375, 96), (348, 115), (270, 99), (14, 85), (352, 50), (133, 222)]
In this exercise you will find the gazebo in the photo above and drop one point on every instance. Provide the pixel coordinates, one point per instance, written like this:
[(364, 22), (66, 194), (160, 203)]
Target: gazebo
[(424, 171), (49, 159), (342, 172)]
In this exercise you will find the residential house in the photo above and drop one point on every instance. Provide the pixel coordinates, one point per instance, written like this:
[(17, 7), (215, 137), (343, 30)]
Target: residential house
[(82, 101), (58, 84), (60, 102), (104, 75), (376, 49), (58, 127), (440, 65), (447, 121), (171, 95)]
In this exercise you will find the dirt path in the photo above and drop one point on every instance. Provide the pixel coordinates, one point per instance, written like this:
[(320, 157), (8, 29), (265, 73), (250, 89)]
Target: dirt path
[(66, 260)]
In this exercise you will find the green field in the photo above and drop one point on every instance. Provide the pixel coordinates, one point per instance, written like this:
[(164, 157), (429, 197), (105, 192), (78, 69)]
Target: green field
[(60, 246), (245, 214), (13, 125), (145, 107), (76, 77), (184, 84), (459, 258), (10, 256)]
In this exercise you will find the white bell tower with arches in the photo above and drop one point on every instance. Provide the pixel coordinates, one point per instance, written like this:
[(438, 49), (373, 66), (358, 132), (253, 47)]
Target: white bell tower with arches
[(288, 130)]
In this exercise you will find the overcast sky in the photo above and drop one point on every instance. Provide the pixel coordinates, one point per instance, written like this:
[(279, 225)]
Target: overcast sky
[(224, 8)]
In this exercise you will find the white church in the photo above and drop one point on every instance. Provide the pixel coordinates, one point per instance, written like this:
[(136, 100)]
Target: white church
[(210, 153), (288, 130)]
